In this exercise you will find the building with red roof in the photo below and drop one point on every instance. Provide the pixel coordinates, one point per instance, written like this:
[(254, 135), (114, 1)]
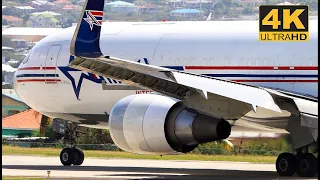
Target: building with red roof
[(12, 20), (21, 124), (61, 3), (72, 7)]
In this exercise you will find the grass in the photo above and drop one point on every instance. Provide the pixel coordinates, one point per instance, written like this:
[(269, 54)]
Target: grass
[(20, 178), (12, 150)]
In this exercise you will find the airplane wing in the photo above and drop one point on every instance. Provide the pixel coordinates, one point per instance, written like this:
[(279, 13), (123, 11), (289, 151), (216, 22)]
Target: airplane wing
[(194, 89), (174, 83)]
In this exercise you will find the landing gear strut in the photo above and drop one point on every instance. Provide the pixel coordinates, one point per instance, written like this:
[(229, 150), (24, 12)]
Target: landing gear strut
[(303, 163), (71, 155)]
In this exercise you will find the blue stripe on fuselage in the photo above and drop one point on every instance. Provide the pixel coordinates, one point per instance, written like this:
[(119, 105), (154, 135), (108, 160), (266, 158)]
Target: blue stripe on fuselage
[(174, 67), (37, 75)]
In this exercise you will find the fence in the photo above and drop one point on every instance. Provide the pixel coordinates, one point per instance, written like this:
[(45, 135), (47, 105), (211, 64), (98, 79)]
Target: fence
[(237, 150)]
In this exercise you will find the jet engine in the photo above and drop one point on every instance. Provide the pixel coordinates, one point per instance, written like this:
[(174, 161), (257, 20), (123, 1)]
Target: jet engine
[(156, 124)]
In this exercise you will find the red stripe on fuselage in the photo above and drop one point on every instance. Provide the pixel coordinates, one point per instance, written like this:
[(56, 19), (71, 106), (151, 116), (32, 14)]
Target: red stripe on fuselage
[(37, 68), (49, 68), (38, 80), (29, 68), (251, 67)]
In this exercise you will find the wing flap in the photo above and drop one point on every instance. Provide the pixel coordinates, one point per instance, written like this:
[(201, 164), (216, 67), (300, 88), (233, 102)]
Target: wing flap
[(248, 94), (174, 83)]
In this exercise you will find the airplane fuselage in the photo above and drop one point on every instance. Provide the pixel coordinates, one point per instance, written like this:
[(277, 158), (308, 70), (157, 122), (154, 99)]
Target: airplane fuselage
[(227, 50)]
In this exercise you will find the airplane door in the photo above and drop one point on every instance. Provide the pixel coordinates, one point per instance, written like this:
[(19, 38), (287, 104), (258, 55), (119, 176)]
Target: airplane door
[(51, 64)]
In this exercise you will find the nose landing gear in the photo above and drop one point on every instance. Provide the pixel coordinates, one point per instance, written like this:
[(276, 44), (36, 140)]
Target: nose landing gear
[(69, 156), (68, 132)]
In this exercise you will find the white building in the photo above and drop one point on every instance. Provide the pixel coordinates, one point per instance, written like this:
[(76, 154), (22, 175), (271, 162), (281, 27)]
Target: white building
[(45, 19), (25, 9), (8, 73), (121, 7), (186, 13)]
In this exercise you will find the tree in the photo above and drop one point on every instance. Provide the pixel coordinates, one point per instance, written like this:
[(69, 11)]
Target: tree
[(247, 11), (10, 11), (159, 2), (129, 1), (25, 18), (74, 1), (45, 125), (312, 3), (223, 7), (4, 22), (23, 1), (6, 41), (95, 136), (6, 86), (69, 18)]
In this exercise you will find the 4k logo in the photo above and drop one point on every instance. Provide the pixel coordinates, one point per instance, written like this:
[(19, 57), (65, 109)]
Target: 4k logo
[(284, 23)]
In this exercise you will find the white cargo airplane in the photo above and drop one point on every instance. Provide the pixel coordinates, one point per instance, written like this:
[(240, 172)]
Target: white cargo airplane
[(177, 85)]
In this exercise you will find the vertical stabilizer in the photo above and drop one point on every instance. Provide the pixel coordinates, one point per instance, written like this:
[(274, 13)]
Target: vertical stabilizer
[(86, 38)]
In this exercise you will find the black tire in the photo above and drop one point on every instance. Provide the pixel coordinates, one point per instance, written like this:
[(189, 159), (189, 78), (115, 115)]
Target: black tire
[(66, 156), (79, 156), (306, 165), (286, 164)]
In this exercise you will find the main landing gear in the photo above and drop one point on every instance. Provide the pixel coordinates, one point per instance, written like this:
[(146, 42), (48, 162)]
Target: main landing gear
[(303, 163), (71, 155)]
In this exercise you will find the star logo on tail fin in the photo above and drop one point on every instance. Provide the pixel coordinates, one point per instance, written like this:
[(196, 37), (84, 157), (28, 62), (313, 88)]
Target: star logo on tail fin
[(93, 18)]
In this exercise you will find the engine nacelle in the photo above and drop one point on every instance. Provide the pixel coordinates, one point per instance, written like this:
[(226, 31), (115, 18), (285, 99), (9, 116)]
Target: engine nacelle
[(155, 124)]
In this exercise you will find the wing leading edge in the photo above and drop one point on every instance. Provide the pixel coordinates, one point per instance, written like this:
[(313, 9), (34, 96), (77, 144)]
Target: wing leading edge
[(174, 83)]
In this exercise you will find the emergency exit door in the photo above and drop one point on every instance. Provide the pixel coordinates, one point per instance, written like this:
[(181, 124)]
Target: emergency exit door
[(51, 64)]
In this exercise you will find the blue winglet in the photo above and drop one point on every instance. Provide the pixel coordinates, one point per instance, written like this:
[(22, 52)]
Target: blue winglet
[(85, 41)]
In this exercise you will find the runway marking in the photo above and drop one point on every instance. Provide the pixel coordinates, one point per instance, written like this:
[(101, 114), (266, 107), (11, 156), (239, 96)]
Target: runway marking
[(14, 165)]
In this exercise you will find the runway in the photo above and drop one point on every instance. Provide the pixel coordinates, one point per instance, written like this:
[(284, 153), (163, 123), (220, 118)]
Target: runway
[(136, 169)]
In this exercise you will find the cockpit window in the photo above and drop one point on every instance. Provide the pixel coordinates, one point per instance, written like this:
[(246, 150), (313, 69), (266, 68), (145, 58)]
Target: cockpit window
[(26, 58)]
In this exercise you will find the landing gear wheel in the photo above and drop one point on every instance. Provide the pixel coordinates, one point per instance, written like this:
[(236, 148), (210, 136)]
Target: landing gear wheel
[(67, 156), (286, 164), (306, 165), (79, 156), (71, 155)]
